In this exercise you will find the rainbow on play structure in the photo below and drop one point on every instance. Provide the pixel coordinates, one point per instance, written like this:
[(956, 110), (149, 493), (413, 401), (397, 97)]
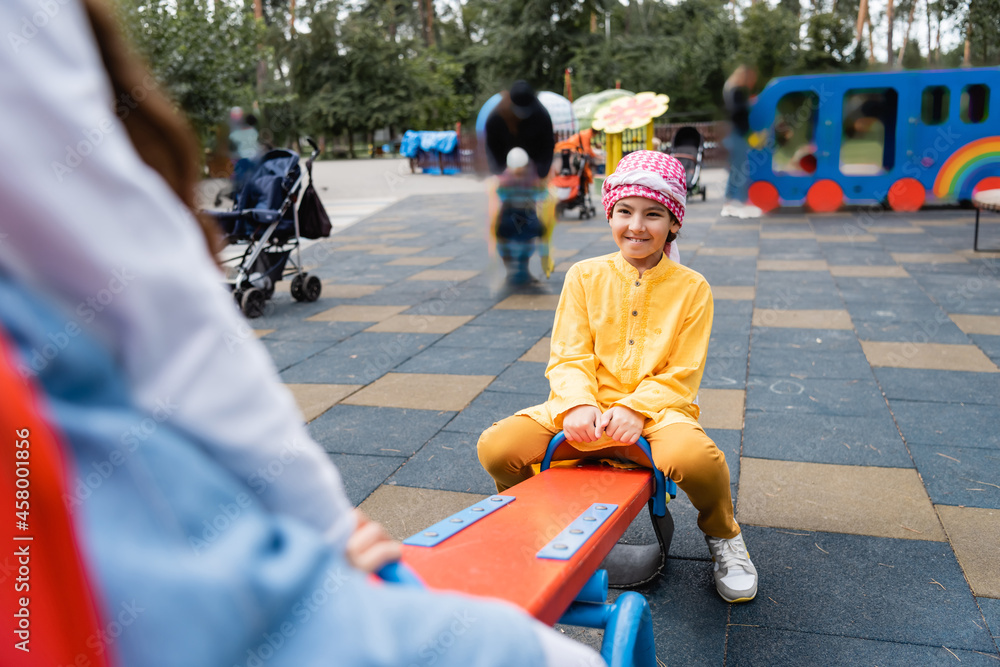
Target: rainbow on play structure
[(966, 164)]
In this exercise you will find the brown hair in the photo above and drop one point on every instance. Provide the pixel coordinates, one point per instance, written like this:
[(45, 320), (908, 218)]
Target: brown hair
[(159, 133)]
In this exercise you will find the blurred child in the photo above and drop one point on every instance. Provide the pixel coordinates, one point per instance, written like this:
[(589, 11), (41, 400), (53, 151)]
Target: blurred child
[(524, 215), (628, 350)]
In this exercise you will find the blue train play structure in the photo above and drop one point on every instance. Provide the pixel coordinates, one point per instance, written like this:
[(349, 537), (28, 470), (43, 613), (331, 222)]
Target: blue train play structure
[(903, 139)]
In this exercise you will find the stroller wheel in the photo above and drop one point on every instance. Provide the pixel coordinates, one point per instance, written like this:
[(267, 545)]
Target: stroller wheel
[(253, 303), (297, 287), (312, 288)]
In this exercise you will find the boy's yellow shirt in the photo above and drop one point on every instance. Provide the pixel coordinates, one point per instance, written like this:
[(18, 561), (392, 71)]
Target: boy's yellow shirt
[(619, 339)]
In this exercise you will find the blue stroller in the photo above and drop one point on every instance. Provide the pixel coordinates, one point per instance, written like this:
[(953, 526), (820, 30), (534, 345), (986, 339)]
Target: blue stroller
[(266, 220)]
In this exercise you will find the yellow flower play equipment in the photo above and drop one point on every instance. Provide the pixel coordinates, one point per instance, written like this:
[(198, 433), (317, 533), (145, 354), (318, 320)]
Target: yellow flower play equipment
[(627, 123)]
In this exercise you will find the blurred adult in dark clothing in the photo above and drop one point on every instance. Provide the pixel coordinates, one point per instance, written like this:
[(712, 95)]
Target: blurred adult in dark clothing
[(520, 121), (736, 96)]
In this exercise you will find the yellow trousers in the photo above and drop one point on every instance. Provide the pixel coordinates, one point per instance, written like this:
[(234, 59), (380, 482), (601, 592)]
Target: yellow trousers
[(682, 451)]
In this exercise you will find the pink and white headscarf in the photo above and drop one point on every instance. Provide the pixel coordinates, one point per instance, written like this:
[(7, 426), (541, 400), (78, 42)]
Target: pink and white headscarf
[(648, 174)]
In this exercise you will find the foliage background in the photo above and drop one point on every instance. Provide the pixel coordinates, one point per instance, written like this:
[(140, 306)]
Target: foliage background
[(343, 69)]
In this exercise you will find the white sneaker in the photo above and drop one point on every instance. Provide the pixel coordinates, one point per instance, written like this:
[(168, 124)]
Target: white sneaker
[(735, 574), (750, 211), (730, 210)]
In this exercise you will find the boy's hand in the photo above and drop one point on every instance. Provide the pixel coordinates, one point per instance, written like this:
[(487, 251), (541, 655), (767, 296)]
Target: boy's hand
[(370, 547), (622, 424), (580, 424)]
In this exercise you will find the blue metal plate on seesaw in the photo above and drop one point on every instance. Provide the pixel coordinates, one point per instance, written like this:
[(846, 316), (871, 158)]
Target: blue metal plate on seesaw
[(564, 545), (442, 530)]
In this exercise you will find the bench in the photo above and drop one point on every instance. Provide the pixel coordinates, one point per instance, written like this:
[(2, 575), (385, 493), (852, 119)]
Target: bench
[(988, 200), (541, 544)]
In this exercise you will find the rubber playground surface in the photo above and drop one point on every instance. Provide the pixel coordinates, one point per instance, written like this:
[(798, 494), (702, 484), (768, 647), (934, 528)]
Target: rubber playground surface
[(852, 382)]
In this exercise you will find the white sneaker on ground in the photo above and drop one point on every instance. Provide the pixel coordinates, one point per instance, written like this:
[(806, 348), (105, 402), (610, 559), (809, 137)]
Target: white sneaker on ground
[(735, 574), (750, 211)]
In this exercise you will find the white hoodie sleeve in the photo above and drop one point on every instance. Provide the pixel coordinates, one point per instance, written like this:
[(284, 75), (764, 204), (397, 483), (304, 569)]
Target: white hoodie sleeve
[(89, 224)]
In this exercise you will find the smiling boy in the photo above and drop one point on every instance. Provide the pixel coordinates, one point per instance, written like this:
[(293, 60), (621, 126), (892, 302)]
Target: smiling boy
[(629, 344)]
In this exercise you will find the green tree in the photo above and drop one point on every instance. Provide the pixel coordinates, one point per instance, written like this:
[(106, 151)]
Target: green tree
[(204, 54)]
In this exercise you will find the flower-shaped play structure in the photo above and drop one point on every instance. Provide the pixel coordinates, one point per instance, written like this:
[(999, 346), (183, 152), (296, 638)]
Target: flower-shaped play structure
[(627, 122), (630, 113)]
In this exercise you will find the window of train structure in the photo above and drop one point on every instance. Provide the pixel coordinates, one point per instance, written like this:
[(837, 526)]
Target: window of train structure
[(868, 141), (795, 118), (934, 105), (975, 102)]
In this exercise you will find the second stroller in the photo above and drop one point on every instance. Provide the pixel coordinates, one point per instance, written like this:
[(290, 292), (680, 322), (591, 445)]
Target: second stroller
[(687, 146)]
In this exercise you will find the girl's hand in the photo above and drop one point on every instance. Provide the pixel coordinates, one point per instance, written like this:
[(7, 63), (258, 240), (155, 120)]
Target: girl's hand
[(622, 424), (370, 547), (580, 424)]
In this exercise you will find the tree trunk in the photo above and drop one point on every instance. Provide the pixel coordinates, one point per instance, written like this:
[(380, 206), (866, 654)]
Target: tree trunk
[(891, 19), (428, 22), (930, 50), (291, 21), (937, 47), (350, 144), (967, 57), (860, 27), (871, 40), (906, 33)]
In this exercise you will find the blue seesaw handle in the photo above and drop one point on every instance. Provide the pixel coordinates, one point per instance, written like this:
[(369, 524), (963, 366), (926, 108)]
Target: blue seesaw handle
[(399, 573), (660, 489)]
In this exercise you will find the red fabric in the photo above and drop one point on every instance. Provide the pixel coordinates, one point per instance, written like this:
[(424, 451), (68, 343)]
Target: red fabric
[(61, 617)]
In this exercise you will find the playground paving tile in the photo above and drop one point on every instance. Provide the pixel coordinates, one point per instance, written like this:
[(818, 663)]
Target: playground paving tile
[(542, 319), (928, 258), (939, 386), (898, 590), (793, 364), (991, 612), (361, 359), (376, 431), (802, 319), (490, 407), (728, 293), (727, 344), (362, 475), (448, 302), (959, 476), (689, 628), (736, 327), (908, 330), (928, 356), (974, 533), (721, 408), (859, 441), (414, 323), (444, 275), (448, 462), (860, 500), (804, 340), (749, 646), (465, 360), (925, 311), (724, 373), (538, 352), (404, 510), (990, 345), (529, 302), (786, 297), (792, 265), (511, 337), (421, 391), (348, 291), (521, 377), (315, 332), (315, 399), (357, 313), (954, 424), (287, 353), (978, 324), (844, 397), (727, 251), (868, 271)]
